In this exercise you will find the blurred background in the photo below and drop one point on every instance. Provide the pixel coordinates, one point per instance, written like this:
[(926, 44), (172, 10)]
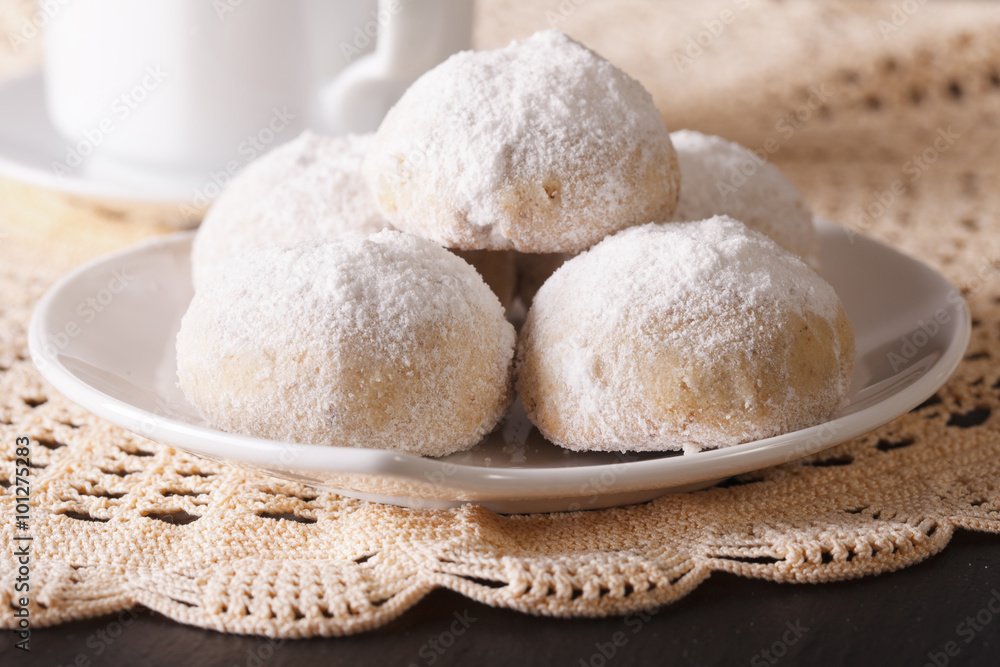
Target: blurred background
[(848, 98)]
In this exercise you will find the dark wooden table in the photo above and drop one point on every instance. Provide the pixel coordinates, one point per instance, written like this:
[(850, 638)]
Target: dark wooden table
[(945, 611)]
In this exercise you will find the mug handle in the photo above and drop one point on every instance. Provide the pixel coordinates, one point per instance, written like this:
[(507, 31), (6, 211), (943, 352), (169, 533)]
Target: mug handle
[(416, 36)]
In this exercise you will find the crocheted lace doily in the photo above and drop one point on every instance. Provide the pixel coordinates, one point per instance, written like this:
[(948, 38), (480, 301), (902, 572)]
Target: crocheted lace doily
[(119, 521)]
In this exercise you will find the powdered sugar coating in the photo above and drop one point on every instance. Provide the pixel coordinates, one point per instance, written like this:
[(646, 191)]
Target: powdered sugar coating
[(715, 181), (389, 342), (682, 336), (540, 146), (310, 187)]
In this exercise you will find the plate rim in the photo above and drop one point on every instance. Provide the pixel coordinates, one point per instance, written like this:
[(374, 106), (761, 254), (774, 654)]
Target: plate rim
[(484, 483)]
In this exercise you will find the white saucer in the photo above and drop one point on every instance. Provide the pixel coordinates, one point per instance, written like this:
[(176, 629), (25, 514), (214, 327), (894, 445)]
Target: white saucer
[(30, 147), (911, 327)]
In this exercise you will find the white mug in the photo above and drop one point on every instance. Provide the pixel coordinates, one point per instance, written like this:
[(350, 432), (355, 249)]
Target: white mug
[(193, 85)]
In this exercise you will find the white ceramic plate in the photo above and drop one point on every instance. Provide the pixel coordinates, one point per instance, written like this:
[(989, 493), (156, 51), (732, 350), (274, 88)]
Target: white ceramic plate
[(104, 337), (30, 146)]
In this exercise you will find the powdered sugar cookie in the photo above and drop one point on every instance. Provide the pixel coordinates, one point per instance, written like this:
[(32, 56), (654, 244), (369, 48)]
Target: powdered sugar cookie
[(390, 342), (682, 336), (540, 146), (720, 177), (309, 188)]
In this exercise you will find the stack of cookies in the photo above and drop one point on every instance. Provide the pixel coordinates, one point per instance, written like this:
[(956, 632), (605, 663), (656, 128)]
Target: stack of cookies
[(355, 291)]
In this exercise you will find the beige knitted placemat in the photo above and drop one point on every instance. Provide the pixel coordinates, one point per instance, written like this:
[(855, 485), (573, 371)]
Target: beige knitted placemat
[(118, 520)]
